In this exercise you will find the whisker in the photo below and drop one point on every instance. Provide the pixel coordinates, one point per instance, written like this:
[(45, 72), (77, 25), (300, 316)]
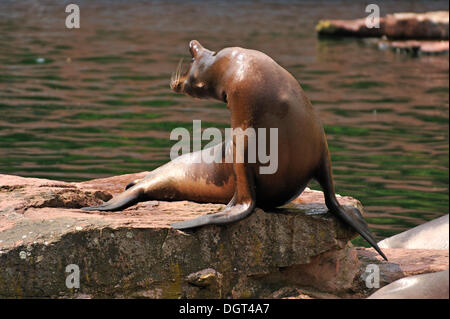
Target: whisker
[(179, 69), (175, 76)]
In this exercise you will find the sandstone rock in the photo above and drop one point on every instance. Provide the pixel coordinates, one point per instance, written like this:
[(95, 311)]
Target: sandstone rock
[(135, 253), (203, 284), (428, 25), (407, 25), (402, 263), (415, 47), (431, 235), (355, 28)]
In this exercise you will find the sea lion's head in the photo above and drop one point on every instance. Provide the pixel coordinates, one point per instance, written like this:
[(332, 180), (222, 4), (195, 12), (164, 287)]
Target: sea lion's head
[(200, 79)]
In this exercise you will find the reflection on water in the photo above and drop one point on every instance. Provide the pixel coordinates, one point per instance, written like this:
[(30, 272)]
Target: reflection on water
[(95, 102)]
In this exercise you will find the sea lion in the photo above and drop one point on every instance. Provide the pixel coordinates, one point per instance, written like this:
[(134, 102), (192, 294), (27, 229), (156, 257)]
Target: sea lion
[(424, 286), (431, 235), (259, 94)]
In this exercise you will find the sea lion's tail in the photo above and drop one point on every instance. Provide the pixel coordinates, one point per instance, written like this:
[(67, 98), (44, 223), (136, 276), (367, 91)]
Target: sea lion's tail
[(349, 215), (123, 200)]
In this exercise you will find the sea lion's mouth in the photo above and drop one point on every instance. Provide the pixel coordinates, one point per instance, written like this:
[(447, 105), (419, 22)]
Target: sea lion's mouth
[(177, 80)]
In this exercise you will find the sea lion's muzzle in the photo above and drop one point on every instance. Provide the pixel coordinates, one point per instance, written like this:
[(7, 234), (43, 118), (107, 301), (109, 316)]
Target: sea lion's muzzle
[(177, 80), (177, 86)]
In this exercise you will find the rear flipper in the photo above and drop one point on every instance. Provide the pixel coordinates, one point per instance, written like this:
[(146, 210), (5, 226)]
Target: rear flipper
[(241, 205), (119, 202), (228, 215), (349, 215)]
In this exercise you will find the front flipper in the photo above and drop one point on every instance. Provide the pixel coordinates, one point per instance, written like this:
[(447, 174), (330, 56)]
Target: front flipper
[(228, 215)]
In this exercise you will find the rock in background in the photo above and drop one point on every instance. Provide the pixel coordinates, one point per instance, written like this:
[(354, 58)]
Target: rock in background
[(413, 33), (408, 25)]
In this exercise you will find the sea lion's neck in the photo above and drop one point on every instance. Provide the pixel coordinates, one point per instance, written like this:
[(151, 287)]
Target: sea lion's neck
[(228, 70)]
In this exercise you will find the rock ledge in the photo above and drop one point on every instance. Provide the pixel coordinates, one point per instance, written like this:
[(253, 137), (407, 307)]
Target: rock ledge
[(135, 253)]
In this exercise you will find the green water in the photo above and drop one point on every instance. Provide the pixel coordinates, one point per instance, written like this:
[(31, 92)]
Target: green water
[(95, 102)]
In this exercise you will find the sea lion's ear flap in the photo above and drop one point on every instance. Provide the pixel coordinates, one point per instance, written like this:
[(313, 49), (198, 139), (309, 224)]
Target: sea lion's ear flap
[(195, 47)]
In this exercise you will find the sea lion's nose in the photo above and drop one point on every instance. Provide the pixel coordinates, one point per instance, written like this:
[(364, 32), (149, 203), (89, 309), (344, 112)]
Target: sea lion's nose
[(175, 86), (178, 87)]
